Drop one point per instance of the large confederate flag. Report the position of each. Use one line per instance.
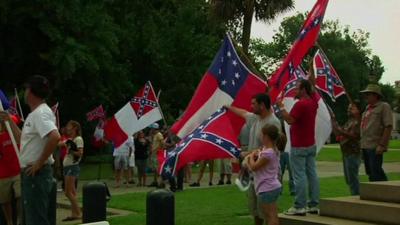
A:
(207, 130)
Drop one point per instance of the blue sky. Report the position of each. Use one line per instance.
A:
(380, 18)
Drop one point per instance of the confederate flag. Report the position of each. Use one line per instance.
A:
(136, 115)
(285, 77)
(306, 39)
(97, 113)
(214, 138)
(327, 80)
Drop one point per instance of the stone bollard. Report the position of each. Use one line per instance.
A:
(160, 208)
(94, 202)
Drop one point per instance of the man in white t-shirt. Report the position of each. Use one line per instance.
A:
(38, 140)
(121, 161)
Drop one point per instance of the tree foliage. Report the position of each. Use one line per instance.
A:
(238, 15)
(102, 51)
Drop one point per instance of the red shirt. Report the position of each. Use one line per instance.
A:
(9, 165)
(63, 149)
(302, 131)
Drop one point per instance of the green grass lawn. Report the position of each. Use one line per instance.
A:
(90, 171)
(332, 154)
(215, 206)
(394, 144)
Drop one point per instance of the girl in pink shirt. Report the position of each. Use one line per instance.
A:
(265, 166)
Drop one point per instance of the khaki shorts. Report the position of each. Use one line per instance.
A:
(154, 161)
(226, 166)
(121, 162)
(254, 206)
(8, 186)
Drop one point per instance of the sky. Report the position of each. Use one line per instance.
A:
(381, 18)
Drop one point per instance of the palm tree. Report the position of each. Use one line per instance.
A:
(243, 11)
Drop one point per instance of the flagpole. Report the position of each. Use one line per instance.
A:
(158, 94)
(19, 104)
(345, 91)
(158, 103)
(13, 141)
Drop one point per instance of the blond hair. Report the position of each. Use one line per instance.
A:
(77, 126)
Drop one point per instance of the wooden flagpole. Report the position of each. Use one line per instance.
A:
(19, 104)
(158, 103)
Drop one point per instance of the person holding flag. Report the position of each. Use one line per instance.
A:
(349, 138)
(303, 149)
(10, 181)
(261, 116)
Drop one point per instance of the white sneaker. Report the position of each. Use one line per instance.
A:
(295, 212)
(312, 210)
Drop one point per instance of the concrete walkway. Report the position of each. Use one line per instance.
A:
(325, 169)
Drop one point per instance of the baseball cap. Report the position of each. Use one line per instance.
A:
(154, 126)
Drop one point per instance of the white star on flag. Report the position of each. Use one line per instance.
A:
(218, 141)
(167, 169)
(234, 63)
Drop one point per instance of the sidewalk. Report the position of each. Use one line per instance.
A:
(324, 169)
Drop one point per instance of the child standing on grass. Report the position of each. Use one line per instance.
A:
(265, 166)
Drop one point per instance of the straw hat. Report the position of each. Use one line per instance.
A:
(373, 88)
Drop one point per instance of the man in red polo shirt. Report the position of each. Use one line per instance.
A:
(303, 148)
(10, 184)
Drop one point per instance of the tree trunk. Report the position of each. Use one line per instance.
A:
(247, 20)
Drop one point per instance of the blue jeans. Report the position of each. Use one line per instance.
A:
(304, 171)
(35, 196)
(351, 163)
(373, 165)
(285, 164)
(269, 197)
(72, 170)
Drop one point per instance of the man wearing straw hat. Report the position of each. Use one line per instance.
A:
(376, 128)
(39, 138)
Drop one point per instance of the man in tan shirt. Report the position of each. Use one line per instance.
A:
(156, 145)
(376, 127)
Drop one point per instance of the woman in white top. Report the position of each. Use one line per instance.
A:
(71, 166)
